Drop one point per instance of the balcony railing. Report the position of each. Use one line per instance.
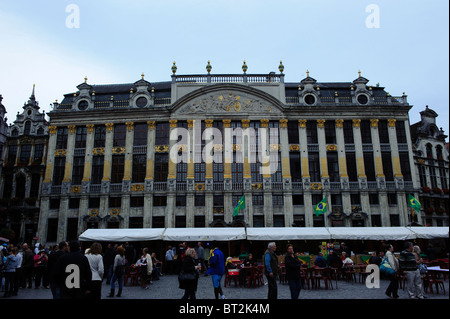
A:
(228, 78)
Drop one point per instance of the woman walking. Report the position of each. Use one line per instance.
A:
(392, 289)
(189, 268)
(145, 267)
(96, 262)
(118, 271)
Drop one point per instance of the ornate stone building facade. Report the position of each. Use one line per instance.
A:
(110, 148)
(24, 158)
(432, 168)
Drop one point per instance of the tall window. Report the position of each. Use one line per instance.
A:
(348, 132)
(383, 132)
(387, 166)
(140, 134)
(139, 168)
(61, 138)
(161, 167)
(58, 171)
(12, 153)
(293, 135)
(423, 175)
(162, 133)
(333, 166)
(237, 171)
(80, 137)
(218, 172)
(369, 166)
(117, 169)
(275, 161)
(182, 172)
(200, 170)
(366, 135)
(99, 136)
(38, 153)
(77, 170)
(405, 167)
(429, 148)
(443, 178)
(97, 169)
(25, 153)
(401, 132)
(351, 167)
(295, 166)
(311, 132)
(330, 132)
(27, 128)
(120, 135)
(314, 166)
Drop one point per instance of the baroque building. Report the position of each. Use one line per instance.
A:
(110, 152)
(431, 157)
(24, 158)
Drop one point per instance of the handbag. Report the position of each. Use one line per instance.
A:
(187, 277)
(386, 268)
(423, 269)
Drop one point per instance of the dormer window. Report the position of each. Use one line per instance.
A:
(27, 128)
(362, 99)
(15, 132)
(141, 102)
(309, 99)
(83, 105)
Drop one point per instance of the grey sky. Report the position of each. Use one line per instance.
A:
(118, 40)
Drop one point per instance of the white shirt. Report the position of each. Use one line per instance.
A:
(97, 268)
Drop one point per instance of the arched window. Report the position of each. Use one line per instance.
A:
(27, 129)
(429, 151)
(439, 152)
(15, 132)
(40, 131)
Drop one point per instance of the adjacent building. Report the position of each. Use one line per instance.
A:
(431, 157)
(110, 148)
(23, 167)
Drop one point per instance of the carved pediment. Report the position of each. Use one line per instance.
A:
(228, 99)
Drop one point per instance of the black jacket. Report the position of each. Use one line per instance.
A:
(62, 272)
(188, 266)
(293, 265)
(52, 259)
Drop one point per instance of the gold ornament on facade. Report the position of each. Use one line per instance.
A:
(93, 212)
(226, 123)
(218, 210)
(137, 187)
(52, 129)
(90, 128)
(339, 123)
(391, 122)
(331, 147)
(374, 122)
(236, 147)
(114, 211)
(190, 123)
(257, 186)
(161, 148)
(316, 186)
(264, 123)
(182, 148)
(356, 122)
(245, 123)
(218, 147)
(118, 150)
(151, 124)
(294, 147)
(274, 147)
(109, 126)
(173, 123)
(302, 123)
(98, 151)
(321, 123)
(130, 126)
(421, 161)
(209, 123)
(71, 128)
(60, 152)
(283, 123)
(75, 189)
(199, 187)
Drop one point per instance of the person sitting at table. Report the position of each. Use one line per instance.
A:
(248, 262)
(320, 261)
(229, 264)
(347, 261)
(333, 260)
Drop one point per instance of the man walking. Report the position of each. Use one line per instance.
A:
(271, 270)
(200, 256)
(216, 270)
(293, 265)
(409, 265)
(63, 248)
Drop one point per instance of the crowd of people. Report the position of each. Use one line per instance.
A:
(22, 267)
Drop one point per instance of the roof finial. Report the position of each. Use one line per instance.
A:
(142, 75)
(32, 92)
(359, 73)
(85, 79)
(307, 73)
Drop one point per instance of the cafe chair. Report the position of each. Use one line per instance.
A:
(259, 276)
(231, 275)
(349, 271)
(430, 280)
(131, 273)
(282, 274)
(401, 279)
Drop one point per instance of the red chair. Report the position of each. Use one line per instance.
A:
(231, 275)
(430, 280)
(349, 272)
(401, 279)
(130, 273)
(282, 273)
(259, 275)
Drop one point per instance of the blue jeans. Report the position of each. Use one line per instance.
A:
(114, 278)
(56, 291)
(295, 285)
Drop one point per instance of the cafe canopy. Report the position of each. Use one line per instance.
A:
(264, 233)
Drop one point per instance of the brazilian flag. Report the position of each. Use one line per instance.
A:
(321, 208)
(414, 203)
(240, 205)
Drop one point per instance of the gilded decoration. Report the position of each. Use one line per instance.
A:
(75, 189)
(118, 150)
(316, 186)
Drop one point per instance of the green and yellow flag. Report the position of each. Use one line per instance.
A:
(240, 205)
(321, 208)
(414, 203)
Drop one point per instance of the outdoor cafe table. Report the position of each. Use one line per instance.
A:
(438, 269)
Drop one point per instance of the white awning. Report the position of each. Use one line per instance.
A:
(122, 234)
(204, 234)
(430, 232)
(287, 233)
(371, 233)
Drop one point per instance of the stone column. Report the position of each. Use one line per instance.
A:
(149, 175)
(69, 158)
(129, 152)
(82, 211)
(51, 154)
(108, 155)
(43, 219)
(305, 172)
(88, 158)
(288, 206)
(398, 176)
(125, 211)
(148, 210)
(346, 200)
(62, 218)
